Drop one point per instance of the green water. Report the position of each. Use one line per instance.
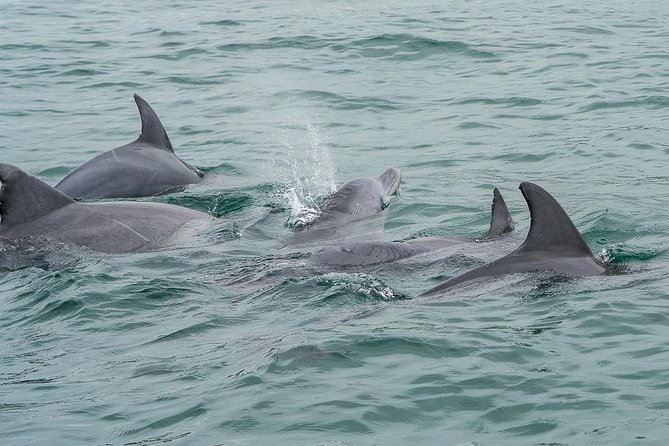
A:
(223, 339)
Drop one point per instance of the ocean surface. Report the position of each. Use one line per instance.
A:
(225, 338)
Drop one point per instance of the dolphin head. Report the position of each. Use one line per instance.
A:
(363, 197)
(390, 181)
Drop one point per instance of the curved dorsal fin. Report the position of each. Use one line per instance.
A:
(500, 220)
(153, 131)
(551, 229)
(24, 198)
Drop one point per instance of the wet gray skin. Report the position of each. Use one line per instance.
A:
(552, 244)
(31, 209)
(371, 253)
(144, 167)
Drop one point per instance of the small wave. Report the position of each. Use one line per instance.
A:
(351, 103)
(88, 43)
(122, 84)
(347, 426)
(56, 310)
(22, 47)
(300, 42)
(191, 330)
(179, 55)
(407, 47)
(514, 101)
(190, 80)
(651, 102)
(80, 72)
(223, 23)
(173, 420)
(523, 157)
(476, 125)
(585, 30)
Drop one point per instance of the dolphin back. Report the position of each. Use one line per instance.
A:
(24, 198)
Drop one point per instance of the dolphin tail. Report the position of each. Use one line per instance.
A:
(153, 131)
(551, 229)
(500, 220)
(24, 198)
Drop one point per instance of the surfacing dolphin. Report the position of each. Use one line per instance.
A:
(348, 206)
(371, 253)
(361, 197)
(147, 166)
(31, 209)
(552, 244)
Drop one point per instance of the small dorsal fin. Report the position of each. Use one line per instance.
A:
(153, 131)
(551, 229)
(500, 220)
(24, 198)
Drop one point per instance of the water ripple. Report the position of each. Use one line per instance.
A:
(407, 47)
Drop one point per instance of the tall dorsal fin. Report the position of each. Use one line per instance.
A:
(153, 131)
(24, 198)
(500, 220)
(551, 228)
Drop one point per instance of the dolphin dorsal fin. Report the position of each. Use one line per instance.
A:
(500, 220)
(153, 131)
(551, 228)
(24, 198)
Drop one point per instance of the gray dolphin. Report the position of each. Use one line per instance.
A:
(371, 253)
(147, 166)
(342, 214)
(552, 244)
(30, 209)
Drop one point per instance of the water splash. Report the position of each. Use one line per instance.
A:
(358, 286)
(303, 170)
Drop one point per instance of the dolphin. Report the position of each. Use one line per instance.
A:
(343, 213)
(147, 166)
(31, 209)
(371, 253)
(552, 244)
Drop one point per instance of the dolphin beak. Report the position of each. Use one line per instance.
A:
(390, 180)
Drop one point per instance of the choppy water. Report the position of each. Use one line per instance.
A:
(222, 339)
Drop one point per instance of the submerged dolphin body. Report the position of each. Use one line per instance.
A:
(371, 253)
(343, 213)
(144, 167)
(31, 209)
(552, 244)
